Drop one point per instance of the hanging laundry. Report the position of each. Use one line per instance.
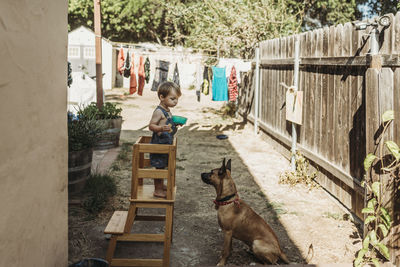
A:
(176, 75)
(127, 69)
(219, 85)
(161, 74)
(132, 82)
(121, 61)
(206, 83)
(233, 85)
(141, 75)
(147, 69)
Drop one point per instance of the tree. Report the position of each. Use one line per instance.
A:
(122, 20)
(380, 7)
(233, 27)
(320, 13)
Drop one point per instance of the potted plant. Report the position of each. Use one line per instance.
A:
(83, 133)
(111, 118)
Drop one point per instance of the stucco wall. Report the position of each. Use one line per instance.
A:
(33, 146)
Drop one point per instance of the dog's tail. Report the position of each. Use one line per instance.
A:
(310, 253)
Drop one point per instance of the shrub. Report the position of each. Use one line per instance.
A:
(108, 111)
(83, 131)
(98, 189)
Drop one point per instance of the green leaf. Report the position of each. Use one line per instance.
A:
(386, 216)
(376, 186)
(372, 203)
(387, 224)
(373, 238)
(384, 229)
(369, 159)
(383, 250)
(367, 210)
(393, 148)
(375, 262)
(366, 242)
(358, 261)
(388, 116)
(369, 219)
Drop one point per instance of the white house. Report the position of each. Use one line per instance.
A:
(82, 53)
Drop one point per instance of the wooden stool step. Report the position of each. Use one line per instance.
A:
(137, 262)
(142, 237)
(117, 223)
(145, 194)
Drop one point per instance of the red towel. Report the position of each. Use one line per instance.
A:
(132, 83)
(121, 61)
(141, 75)
(232, 85)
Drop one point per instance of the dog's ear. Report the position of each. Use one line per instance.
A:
(222, 170)
(228, 165)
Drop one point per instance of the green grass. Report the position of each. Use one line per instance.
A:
(278, 207)
(98, 189)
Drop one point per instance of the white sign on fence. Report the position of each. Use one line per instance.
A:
(294, 105)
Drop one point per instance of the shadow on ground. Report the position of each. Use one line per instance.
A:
(197, 239)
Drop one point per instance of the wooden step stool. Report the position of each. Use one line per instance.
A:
(121, 223)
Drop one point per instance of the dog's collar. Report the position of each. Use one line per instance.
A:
(223, 201)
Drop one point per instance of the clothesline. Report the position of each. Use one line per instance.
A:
(172, 53)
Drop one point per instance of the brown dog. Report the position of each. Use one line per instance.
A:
(238, 220)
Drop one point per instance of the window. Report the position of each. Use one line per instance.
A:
(89, 52)
(74, 51)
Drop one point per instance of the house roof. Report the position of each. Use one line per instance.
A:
(83, 36)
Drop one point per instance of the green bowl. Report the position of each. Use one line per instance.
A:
(179, 120)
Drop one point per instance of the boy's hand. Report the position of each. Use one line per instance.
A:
(166, 128)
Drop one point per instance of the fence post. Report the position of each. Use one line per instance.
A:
(295, 85)
(97, 31)
(257, 90)
(379, 97)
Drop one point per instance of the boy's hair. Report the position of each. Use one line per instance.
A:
(166, 87)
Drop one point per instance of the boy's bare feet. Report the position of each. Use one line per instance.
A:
(159, 188)
(161, 194)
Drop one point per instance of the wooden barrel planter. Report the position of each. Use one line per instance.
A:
(79, 167)
(110, 137)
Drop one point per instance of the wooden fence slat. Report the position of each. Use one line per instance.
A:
(363, 42)
(311, 93)
(318, 93)
(331, 38)
(395, 240)
(386, 96)
(346, 96)
(388, 38)
(267, 88)
(396, 25)
(396, 105)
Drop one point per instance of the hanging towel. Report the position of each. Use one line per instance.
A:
(206, 83)
(219, 85)
(141, 75)
(176, 75)
(127, 69)
(161, 74)
(132, 82)
(147, 69)
(232, 85)
(121, 61)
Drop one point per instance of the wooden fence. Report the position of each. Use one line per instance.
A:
(342, 103)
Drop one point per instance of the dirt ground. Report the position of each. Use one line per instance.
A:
(298, 216)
